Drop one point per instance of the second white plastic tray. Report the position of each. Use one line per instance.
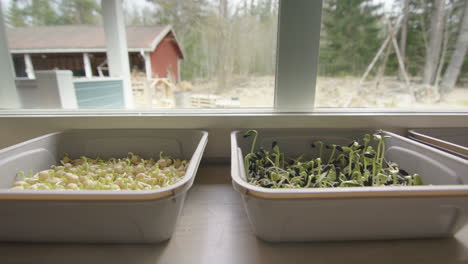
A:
(435, 210)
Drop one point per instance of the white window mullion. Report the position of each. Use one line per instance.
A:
(8, 94)
(116, 46)
(297, 60)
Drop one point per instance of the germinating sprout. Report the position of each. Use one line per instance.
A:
(130, 173)
(353, 165)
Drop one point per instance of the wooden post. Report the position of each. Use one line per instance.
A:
(383, 66)
(374, 60)
(401, 63)
(148, 69)
(87, 66)
(178, 70)
(392, 32)
(29, 67)
(149, 91)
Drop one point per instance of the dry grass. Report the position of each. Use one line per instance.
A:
(339, 92)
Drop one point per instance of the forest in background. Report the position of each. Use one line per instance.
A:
(226, 38)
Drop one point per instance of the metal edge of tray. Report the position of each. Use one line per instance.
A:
(244, 188)
(172, 191)
(452, 148)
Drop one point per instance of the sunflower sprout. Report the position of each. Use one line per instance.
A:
(353, 165)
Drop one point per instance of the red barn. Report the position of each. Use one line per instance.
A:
(82, 49)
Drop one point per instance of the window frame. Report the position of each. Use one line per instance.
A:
(299, 24)
(298, 42)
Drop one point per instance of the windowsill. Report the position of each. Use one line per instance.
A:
(19, 125)
(233, 112)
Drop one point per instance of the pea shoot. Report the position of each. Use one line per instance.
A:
(84, 173)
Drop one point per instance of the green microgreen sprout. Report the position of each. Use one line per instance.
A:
(251, 155)
(252, 133)
(332, 155)
(320, 146)
(353, 165)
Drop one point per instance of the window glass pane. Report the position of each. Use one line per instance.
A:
(181, 54)
(217, 54)
(394, 54)
(55, 46)
(49, 35)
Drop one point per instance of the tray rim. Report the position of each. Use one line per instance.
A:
(427, 191)
(439, 143)
(108, 195)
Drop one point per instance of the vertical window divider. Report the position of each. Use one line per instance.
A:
(8, 95)
(299, 25)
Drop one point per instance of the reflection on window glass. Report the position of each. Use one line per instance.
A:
(393, 54)
(182, 54)
(227, 53)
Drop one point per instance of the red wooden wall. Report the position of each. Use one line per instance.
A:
(164, 59)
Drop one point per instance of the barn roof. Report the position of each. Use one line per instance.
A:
(81, 38)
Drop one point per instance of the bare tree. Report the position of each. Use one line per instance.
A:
(443, 55)
(404, 31)
(435, 42)
(458, 55)
(222, 49)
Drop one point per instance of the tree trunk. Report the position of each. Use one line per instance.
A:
(444, 52)
(404, 33)
(78, 14)
(383, 66)
(222, 56)
(458, 56)
(435, 42)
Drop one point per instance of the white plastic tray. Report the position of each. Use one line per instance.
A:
(278, 215)
(452, 140)
(95, 216)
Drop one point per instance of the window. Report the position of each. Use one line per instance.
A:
(211, 54)
(393, 54)
(51, 35)
(181, 54)
(287, 56)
